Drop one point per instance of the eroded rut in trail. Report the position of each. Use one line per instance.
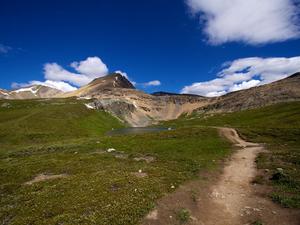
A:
(231, 200)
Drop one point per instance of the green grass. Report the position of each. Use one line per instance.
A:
(63, 137)
(183, 216)
(277, 126)
(42, 121)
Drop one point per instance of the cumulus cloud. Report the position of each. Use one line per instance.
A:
(88, 69)
(91, 67)
(55, 72)
(58, 77)
(244, 85)
(152, 83)
(245, 73)
(4, 49)
(249, 21)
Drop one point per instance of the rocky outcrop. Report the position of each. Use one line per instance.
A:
(141, 109)
(115, 94)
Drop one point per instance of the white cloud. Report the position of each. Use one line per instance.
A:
(250, 21)
(88, 69)
(4, 49)
(152, 83)
(55, 72)
(244, 85)
(58, 77)
(245, 73)
(92, 67)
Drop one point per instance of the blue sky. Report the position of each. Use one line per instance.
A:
(181, 44)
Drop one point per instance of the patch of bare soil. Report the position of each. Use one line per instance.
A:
(44, 177)
(230, 199)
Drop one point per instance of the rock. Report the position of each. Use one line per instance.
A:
(153, 215)
(5, 105)
(147, 159)
(279, 170)
(111, 150)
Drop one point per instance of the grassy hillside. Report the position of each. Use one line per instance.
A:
(63, 137)
(40, 121)
(279, 127)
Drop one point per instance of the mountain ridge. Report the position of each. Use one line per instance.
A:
(116, 94)
(30, 92)
(284, 90)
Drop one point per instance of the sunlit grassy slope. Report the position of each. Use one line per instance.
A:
(64, 137)
(42, 121)
(279, 127)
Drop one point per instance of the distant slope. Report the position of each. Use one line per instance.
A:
(162, 93)
(285, 90)
(277, 116)
(30, 92)
(42, 121)
(3, 93)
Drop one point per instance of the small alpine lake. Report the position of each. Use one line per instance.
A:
(137, 130)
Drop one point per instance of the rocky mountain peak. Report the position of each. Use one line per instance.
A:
(114, 80)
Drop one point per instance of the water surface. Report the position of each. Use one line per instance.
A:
(136, 130)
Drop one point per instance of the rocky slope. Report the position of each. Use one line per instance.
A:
(141, 109)
(31, 92)
(284, 90)
(115, 94)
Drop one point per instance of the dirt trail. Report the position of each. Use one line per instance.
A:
(231, 200)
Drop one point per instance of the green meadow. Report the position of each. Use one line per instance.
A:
(278, 127)
(63, 137)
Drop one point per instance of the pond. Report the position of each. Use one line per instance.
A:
(136, 130)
